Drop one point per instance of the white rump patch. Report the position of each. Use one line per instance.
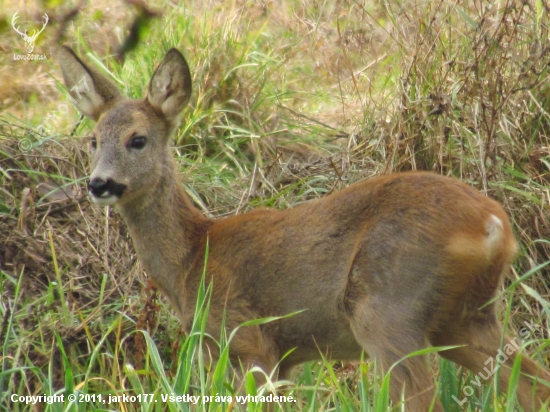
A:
(494, 228)
(467, 245)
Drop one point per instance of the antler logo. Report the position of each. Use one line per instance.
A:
(29, 39)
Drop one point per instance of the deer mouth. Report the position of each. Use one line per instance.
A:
(104, 200)
(105, 191)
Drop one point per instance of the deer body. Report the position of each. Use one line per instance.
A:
(387, 266)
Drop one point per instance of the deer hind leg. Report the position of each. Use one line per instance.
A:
(388, 340)
(483, 355)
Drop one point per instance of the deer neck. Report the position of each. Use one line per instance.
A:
(168, 232)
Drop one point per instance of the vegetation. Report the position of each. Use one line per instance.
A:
(293, 100)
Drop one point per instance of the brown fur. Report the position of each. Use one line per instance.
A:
(388, 265)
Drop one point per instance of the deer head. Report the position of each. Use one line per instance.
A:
(29, 39)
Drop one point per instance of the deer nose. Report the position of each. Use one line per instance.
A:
(98, 186)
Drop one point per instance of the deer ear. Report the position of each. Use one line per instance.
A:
(92, 92)
(170, 87)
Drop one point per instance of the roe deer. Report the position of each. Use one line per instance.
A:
(387, 266)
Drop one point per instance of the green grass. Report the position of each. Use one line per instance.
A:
(292, 100)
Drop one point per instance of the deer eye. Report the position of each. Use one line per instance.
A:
(93, 143)
(137, 142)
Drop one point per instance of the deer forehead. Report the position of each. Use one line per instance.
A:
(126, 120)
